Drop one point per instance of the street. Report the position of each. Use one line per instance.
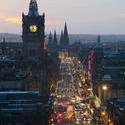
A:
(72, 105)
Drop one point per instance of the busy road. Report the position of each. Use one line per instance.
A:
(72, 105)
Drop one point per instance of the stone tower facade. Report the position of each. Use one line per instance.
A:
(33, 33)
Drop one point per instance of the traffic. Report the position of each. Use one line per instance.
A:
(73, 102)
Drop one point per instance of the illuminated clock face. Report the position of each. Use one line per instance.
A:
(33, 28)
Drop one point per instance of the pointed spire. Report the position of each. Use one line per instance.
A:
(99, 39)
(66, 36)
(50, 41)
(61, 39)
(50, 38)
(50, 35)
(55, 39)
(33, 8)
(65, 29)
(33, 5)
(99, 44)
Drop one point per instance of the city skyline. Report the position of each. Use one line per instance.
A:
(82, 16)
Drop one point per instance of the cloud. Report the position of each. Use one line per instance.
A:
(10, 20)
(2, 17)
(13, 20)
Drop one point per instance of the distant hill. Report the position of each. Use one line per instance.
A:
(83, 38)
(93, 38)
(10, 37)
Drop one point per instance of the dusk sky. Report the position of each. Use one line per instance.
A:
(82, 16)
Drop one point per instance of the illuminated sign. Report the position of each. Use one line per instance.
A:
(90, 57)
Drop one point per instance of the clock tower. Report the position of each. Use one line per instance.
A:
(33, 34)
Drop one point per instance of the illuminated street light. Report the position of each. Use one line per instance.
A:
(109, 120)
(104, 87)
(79, 62)
(90, 89)
(103, 113)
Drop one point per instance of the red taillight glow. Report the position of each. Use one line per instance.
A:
(58, 120)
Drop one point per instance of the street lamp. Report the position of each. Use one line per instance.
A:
(104, 87)
(103, 113)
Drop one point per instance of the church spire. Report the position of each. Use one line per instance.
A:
(66, 36)
(65, 28)
(55, 39)
(33, 8)
(99, 44)
(61, 39)
(99, 39)
(50, 40)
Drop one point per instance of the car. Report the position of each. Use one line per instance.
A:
(78, 119)
(87, 118)
(77, 122)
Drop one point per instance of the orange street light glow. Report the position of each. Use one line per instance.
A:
(103, 113)
(104, 87)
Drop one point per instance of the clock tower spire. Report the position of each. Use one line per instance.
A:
(33, 33)
(33, 8)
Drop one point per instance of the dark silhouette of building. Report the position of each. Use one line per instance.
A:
(99, 39)
(52, 42)
(61, 40)
(10, 48)
(64, 39)
(36, 59)
(4, 47)
(49, 46)
(96, 63)
(36, 72)
(66, 36)
(34, 52)
(55, 42)
(33, 34)
(116, 111)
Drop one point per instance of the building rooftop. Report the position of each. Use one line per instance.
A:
(117, 102)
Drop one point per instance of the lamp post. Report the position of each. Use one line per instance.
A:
(103, 113)
(104, 88)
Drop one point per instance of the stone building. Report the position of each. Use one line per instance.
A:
(111, 75)
(33, 34)
(36, 60)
